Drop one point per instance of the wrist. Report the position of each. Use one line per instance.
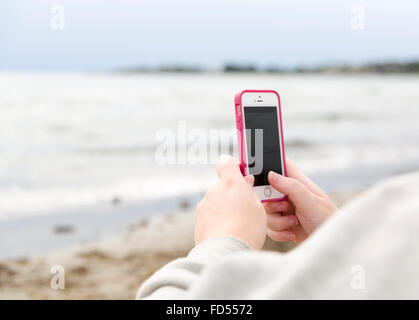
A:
(217, 248)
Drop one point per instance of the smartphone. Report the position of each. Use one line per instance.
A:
(260, 139)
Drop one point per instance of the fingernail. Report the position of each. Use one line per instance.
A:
(249, 180)
(290, 236)
(224, 158)
(292, 222)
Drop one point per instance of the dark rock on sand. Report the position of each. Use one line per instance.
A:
(65, 228)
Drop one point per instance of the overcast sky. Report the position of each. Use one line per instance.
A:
(107, 34)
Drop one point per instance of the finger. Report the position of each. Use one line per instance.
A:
(294, 172)
(227, 168)
(276, 222)
(299, 194)
(281, 235)
(277, 206)
(250, 180)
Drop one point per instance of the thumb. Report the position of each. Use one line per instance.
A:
(250, 180)
(298, 192)
(227, 168)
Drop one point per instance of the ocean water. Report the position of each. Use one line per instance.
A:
(74, 140)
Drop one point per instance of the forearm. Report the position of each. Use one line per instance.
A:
(174, 279)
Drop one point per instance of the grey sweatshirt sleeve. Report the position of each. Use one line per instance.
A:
(175, 279)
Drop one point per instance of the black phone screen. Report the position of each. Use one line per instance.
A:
(262, 142)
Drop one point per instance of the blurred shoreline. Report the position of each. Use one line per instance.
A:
(73, 226)
(390, 67)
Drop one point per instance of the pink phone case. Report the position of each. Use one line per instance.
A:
(240, 134)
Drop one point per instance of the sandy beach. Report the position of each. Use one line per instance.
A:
(113, 267)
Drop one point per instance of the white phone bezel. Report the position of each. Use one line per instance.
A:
(262, 99)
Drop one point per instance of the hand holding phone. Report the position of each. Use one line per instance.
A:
(231, 208)
(306, 208)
